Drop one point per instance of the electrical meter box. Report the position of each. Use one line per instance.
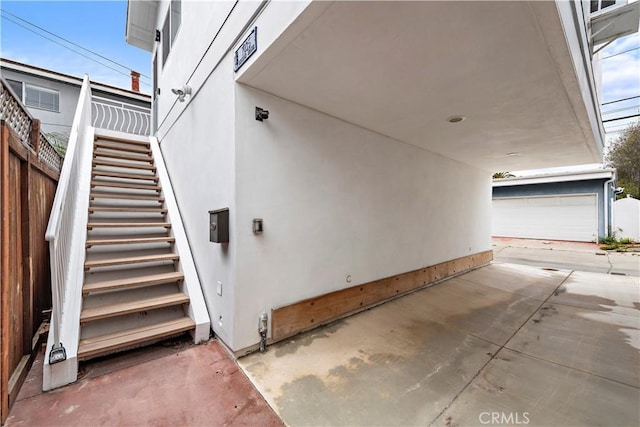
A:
(219, 226)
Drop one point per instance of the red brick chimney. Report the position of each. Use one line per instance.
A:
(135, 81)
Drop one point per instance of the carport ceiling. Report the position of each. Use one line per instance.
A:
(402, 69)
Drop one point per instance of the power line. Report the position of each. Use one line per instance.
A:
(69, 41)
(620, 53)
(617, 110)
(621, 118)
(620, 100)
(67, 47)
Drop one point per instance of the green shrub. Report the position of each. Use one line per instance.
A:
(607, 240)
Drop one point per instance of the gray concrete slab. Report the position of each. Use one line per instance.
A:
(618, 294)
(430, 356)
(528, 281)
(558, 259)
(577, 256)
(627, 263)
(483, 311)
(385, 366)
(601, 343)
(518, 389)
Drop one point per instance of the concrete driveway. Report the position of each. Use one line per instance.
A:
(504, 344)
(566, 255)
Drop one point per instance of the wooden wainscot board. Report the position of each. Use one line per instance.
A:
(309, 313)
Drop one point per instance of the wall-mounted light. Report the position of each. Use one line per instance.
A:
(182, 92)
(261, 114)
(157, 35)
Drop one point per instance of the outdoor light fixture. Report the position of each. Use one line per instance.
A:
(455, 119)
(182, 92)
(261, 114)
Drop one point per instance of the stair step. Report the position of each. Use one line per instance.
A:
(134, 149)
(147, 159)
(129, 282)
(130, 260)
(110, 174)
(103, 344)
(125, 196)
(112, 310)
(126, 209)
(93, 225)
(127, 241)
(100, 162)
(125, 185)
(121, 140)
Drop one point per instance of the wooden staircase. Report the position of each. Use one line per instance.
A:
(132, 292)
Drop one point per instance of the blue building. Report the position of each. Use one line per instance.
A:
(574, 206)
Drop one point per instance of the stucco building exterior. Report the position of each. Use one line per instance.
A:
(385, 122)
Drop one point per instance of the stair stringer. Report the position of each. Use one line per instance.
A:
(66, 372)
(197, 309)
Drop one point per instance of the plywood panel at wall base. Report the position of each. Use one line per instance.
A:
(303, 315)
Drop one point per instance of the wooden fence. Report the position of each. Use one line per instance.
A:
(29, 171)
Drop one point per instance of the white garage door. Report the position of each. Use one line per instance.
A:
(564, 217)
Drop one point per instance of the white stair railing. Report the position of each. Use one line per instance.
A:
(65, 235)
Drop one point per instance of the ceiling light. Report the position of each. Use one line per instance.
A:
(514, 154)
(455, 119)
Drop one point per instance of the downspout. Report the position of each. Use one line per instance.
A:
(606, 197)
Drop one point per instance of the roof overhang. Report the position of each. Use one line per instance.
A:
(603, 174)
(402, 69)
(614, 23)
(141, 23)
(71, 80)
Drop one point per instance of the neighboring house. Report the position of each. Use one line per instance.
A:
(575, 206)
(385, 120)
(51, 97)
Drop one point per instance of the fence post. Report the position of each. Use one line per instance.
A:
(34, 138)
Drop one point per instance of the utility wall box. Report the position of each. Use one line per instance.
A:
(219, 226)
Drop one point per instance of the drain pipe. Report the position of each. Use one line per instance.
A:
(607, 199)
(262, 329)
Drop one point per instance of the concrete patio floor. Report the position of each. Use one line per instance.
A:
(504, 344)
(183, 385)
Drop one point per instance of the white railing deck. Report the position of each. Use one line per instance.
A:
(120, 116)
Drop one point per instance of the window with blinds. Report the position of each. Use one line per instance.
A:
(42, 98)
(17, 87)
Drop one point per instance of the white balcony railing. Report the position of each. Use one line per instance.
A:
(120, 116)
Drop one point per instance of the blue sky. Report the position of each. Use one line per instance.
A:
(621, 79)
(95, 25)
(100, 26)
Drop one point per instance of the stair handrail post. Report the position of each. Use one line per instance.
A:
(59, 228)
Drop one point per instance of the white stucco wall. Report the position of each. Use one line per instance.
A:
(338, 200)
(197, 136)
(626, 218)
(199, 153)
